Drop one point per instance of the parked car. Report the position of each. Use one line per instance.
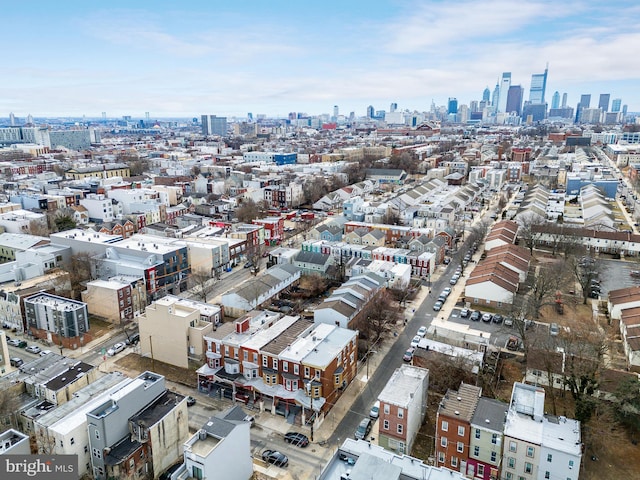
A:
(408, 355)
(33, 349)
(497, 318)
(44, 353)
(16, 361)
(166, 475)
(513, 343)
(437, 306)
(14, 342)
(447, 291)
(464, 313)
(363, 429)
(375, 410)
(454, 279)
(554, 329)
(422, 331)
(191, 401)
(508, 321)
(133, 339)
(297, 439)
(117, 348)
(248, 265)
(275, 457)
(475, 316)
(487, 317)
(416, 340)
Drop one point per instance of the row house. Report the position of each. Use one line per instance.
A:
(117, 300)
(597, 241)
(273, 229)
(124, 228)
(392, 232)
(402, 408)
(288, 367)
(252, 234)
(282, 196)
(174, 212)
(364, 236)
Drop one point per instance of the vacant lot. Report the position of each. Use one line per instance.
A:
(134, 363)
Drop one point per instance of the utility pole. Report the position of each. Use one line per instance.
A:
(310, 391)
(153, 362)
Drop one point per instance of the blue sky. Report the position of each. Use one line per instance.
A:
(228, 58)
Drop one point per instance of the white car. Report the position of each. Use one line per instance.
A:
(416, 341)
(375, 410)
(422, 331)
(117, 348)
(44, 353)
(33, 349)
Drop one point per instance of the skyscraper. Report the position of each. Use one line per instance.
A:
(336, 111)
(505, 83)
(538, 87)
(616, 104)
(473, 106)
(603, 103)
(486, 95)
(12, 119)
(514, 99)
(393, 107)
(453, 105)
(564, 100)
(212, 125)
(370, 111)
(585, 102)
(555, 100)
(495, 97)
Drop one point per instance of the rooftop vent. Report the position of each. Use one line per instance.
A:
(457, 412)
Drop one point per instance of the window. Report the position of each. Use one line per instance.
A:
(86, 449)
(306, 372)
(399, 428)
(547, 474)
(531, 452)
(443, 442)
(460, 431)
(513, 446)
(570, 463)
(528, 467)
(72, 441)
(386, 425)
(476, 451)
(494, 456)
(480, 470)
(477, 433)
(509, 476)
(441, 457)
(97, 453)
(226, 351)
(97, 434)
(386, 409)
(454, 461)
(61, 444)
(400, 413)
(511, 462)
(275, 364)
(265, 361)
(285, 366)
(460, 447)
(549, 457)
(494, 438)
(245, 355)
(255, 357)
(445, 426)
(296, 369)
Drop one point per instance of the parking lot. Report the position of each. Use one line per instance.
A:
(499, 331)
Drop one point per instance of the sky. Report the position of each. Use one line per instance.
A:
(184, 59)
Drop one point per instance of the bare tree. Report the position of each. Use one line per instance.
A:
(201, 284)
(79, 267)
(391, 217)
(379, 317)
(8, 406)
(547, 280)
(527, 230)
(585, 270)
(247, 211)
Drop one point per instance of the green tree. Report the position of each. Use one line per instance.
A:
(64, 222)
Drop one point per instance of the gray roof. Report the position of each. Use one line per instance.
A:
(313, 257)
(218, 427)
(490, 414)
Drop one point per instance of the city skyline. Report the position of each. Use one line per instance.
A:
(77, 58)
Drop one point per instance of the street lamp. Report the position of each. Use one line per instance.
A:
(310, 392)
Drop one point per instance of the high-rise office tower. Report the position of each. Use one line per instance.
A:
(514, 99)
(463, 114)
(104, 116)
(250, 116)
(555, 100)
(212, 125)
(30, 119)
(486, 95)
(603, 102)
(505, 83)
(538, 87)
(452, 106)
(146, 117)
(564, 100)
(495, 97)
(12, 119)
(624, 109)
(473, 106)
(616, 104)
(393, 107)
(370, 111)
(336, 111)
(585, 102)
